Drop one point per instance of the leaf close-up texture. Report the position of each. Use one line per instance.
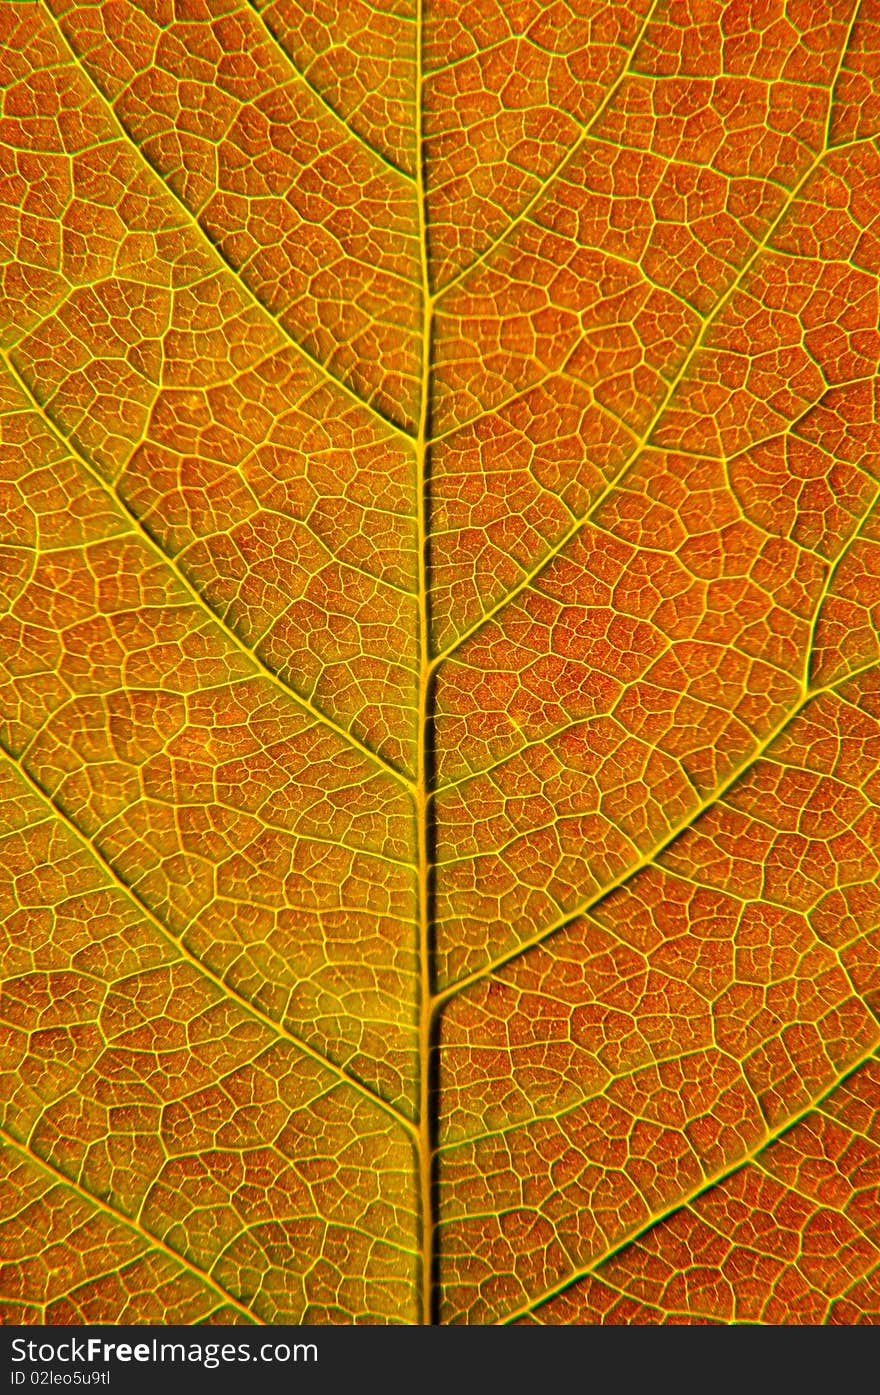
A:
(440, 678)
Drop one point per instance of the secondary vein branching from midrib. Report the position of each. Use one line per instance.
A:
(427, 1101)
(643, 440)
(589, 903)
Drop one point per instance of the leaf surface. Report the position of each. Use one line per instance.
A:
(440, 662)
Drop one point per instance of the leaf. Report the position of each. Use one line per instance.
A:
(440, 678)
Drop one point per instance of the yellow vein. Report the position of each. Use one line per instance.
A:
(277, 1028)
(153, 1241)
(468, 980)
(193, 222)
(690, 1197)
(837, 951)
(600, 1091)
(859, 1279)
(424, 774)
(169, 561)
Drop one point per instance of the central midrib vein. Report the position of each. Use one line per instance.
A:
(424, 764)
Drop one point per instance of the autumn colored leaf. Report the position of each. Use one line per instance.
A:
(441, 661)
